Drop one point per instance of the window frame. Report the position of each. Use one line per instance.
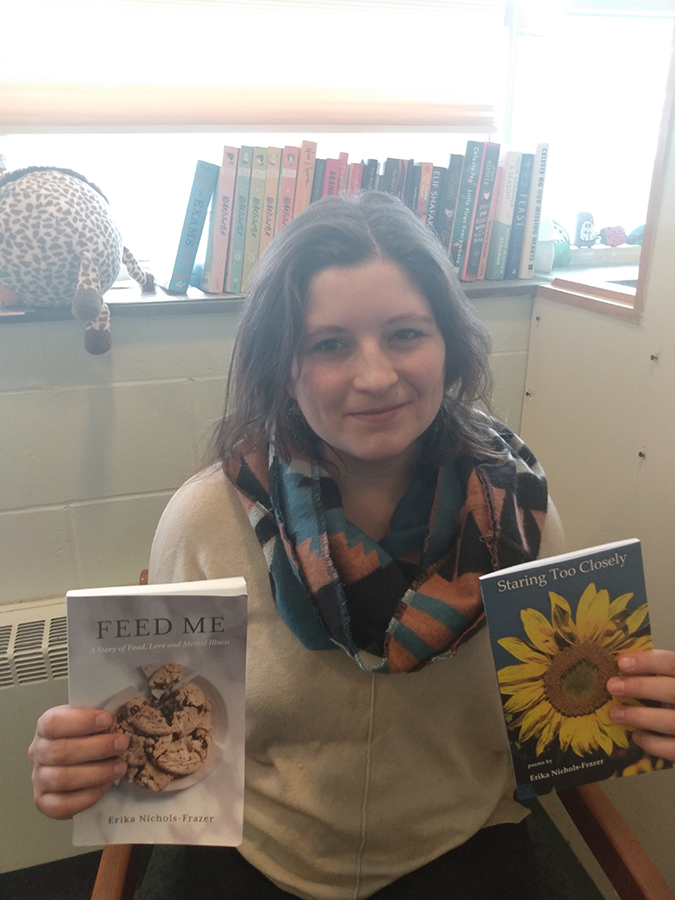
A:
(615, 300)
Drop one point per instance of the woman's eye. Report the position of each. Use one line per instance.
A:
(406, 334)
(328, 345)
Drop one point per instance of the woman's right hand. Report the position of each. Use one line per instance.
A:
(75, 759)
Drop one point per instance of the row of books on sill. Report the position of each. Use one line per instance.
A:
(485, 208)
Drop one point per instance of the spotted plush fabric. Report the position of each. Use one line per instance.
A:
(59, 246)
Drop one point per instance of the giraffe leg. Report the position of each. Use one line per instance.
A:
(97, 337)
(87, 299)
(145, 279)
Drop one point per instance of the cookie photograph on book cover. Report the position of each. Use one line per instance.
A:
(557, 627)
(177, 727)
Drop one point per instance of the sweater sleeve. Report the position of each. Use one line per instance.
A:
(203, 533)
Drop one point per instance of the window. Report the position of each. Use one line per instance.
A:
(584, 75)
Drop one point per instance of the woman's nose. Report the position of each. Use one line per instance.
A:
(373, 370)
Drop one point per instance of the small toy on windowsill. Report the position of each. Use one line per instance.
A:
(613, 236)
(585, 234)
(59, 246)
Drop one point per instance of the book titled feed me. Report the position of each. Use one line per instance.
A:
(168, 663)
(557, 627)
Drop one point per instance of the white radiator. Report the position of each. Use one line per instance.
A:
(33, 677)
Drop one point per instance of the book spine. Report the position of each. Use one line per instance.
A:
(501, 227)
(481, 210)
(436, 192)
(446, 213)
(270, 199)
(533, 216)
(254, 216)
(393, 177)
(369, 180)
(426, 172)
(317, 181)
(466, 199)
(415, 186)
(518, 226)
(331, 178)
(213, 278)
(203, 186)
(409, 186)
(235, 261)
(287, 182)
(354, 179)
(482, 266)
(344, 167)
(303, 188)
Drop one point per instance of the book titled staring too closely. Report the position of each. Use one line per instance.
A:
(557, 627)
(168, 662)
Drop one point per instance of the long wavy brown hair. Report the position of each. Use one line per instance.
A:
(345, 232)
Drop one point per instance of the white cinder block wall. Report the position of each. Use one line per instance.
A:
(92, 447)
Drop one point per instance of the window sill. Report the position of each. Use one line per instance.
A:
(587, 287)
(610, 291)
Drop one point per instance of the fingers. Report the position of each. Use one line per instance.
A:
(647, 675)
(656, 744)
(65, 806)
(648, 662)
(75, 761)
(64, 722)
(66, 736)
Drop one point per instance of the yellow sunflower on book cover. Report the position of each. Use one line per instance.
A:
(558, 690)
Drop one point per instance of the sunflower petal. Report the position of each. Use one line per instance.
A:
(617, 606)
(592, 614)
(561, 616)
(636, 619)
(539, 630)
(534, 719)
(520, 650)
(528, 695)
(522, 672)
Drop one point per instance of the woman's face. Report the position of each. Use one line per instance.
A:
(371, 373)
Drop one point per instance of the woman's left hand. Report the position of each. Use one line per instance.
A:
(647, 675)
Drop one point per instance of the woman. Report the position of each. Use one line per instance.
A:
(361, 492)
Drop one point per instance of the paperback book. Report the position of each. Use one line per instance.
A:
(213, 276)
(533, 215)
(168, 662)
(177, 276)
(557, 626)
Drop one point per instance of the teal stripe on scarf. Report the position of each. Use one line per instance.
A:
(410, 641)
(446, 615)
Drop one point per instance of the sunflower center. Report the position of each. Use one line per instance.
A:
(575, 682)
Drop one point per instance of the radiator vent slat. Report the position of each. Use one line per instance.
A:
(58, 662)
(31, 667)
(57, 631)
(33, 646)
(29, 635)
(6, 677)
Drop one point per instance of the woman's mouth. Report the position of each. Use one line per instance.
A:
(381, 414)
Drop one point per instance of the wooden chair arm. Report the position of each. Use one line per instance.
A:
(117, 872)
(618, 852)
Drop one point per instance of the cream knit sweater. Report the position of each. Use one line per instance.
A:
(352, 779)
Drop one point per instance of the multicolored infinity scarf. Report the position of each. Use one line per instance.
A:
(413, 596)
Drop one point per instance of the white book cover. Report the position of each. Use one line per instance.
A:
(533, 215)
(168, 662)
